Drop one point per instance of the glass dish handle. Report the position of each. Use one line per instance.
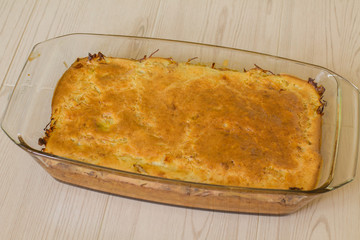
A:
(348, 134)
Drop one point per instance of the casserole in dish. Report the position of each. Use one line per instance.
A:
(29, 111)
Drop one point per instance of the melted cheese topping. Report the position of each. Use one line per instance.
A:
(188, 122)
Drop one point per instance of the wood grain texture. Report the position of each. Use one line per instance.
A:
(167, 222)
(13, 21)
(35, 206)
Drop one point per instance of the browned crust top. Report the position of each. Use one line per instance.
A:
(190, 122)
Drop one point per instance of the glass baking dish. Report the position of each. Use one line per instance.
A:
(29, 110)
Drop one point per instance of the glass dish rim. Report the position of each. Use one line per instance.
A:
(22, 144)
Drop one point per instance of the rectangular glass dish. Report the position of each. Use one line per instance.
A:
(29, 111)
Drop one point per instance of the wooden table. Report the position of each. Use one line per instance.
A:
(35, 206)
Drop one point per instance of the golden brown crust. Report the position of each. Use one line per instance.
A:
(188, 122)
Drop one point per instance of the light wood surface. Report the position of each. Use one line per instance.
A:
(35, 206)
